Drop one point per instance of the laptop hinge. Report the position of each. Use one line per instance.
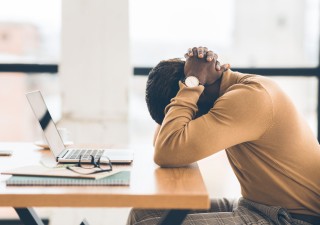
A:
(62, 154)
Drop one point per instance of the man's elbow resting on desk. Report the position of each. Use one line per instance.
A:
(167, 162)
(166, 156)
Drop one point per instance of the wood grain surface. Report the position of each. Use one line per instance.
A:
(150, 185)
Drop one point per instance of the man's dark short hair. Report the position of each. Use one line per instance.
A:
(162, 86)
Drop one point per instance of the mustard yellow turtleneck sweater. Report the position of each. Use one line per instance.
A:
(270, 147)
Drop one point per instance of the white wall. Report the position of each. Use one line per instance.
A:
(95, 68)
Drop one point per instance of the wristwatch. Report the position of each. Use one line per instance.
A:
(192, 81)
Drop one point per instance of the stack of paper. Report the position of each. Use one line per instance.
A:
(36, 175)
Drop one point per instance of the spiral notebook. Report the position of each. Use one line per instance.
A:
(121, 178)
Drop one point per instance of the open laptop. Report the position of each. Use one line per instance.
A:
(56, 145)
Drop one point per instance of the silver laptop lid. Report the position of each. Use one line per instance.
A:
(42, 114)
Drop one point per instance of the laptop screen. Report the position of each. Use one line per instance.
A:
(48, 126)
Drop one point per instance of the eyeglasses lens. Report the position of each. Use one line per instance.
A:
(87, 162)
(104, 163)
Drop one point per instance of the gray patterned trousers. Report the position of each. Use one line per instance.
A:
(223, 212)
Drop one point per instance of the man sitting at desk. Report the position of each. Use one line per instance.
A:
(202, 108)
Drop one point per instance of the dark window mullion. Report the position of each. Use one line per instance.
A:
(29, 68)
(261, 71)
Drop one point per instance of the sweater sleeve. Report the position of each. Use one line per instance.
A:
(242, 114)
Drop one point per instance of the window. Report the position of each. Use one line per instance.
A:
(29, 34)
(30, 31)
(262, 35)
(245, 33)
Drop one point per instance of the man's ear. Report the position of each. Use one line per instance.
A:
(156, 133)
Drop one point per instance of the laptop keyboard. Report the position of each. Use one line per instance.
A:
(85, 153)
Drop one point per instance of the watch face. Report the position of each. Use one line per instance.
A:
(192, 81)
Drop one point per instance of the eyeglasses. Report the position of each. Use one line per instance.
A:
(99, 165)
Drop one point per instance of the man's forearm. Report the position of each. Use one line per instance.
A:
(172, 144)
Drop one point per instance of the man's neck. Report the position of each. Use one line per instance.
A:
(208, 97)
(213, 90)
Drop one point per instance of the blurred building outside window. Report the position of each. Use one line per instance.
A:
(30, 31)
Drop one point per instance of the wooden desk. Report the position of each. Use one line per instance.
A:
(150, 186)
